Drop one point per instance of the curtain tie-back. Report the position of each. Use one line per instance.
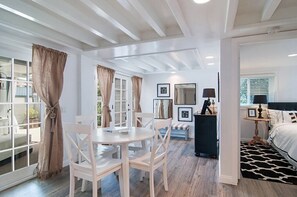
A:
(106, 107)
(52, 114)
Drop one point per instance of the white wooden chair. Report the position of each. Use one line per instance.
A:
(101, 150)
(145, 120)
(89, 169)
(157, 156)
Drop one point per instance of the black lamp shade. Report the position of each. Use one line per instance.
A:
(260, 99)
(209, 92)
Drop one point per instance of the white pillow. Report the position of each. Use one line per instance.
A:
(275, 116)
(289, 116)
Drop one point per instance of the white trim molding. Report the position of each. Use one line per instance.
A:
(228, 180)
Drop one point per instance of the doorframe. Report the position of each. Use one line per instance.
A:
(229, 163)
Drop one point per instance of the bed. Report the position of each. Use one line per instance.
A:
(283, 129)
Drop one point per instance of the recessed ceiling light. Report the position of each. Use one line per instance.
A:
(173, 72)
(201, 1)
(292, 55)
(209, 57)
(210, 64)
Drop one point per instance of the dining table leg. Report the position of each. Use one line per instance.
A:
(126, 176)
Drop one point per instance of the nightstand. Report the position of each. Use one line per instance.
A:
(256, 138)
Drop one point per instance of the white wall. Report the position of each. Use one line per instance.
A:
(88, 86)
(285, 91)
(70, 94)
(229, 124)
(205, 78)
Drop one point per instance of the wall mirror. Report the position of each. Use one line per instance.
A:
(163, 108)
(185, 94)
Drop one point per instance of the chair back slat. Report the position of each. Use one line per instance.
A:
(73, 145)
(145, 120)
(86, 119)
(160, 143)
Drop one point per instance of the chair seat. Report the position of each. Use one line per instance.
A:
(142, 159)
(102, 164)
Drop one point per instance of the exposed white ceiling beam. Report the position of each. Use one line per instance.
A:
(43, 18)
(231, 14)
(127, 66)
(269, 9)
(152, 62)
(140, 64)
(177, 58)
(12, 21)
(11, 40)
(198, 58)
(168, 61)
(149, 15)
(104, 10)
(179, 17)
(67, 11)
(244, 29)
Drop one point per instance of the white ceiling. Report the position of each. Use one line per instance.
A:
(144, 36)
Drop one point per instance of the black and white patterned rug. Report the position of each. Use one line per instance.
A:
(264, 163)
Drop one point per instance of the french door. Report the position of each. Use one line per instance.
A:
(121, 104)
(20, 112)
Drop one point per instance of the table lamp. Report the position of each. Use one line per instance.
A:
(207, 93)
(260, 99)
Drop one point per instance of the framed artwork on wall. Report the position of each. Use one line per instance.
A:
(252, 112)
(163, 90)
(185, 114)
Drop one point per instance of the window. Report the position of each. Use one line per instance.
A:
(255, 85)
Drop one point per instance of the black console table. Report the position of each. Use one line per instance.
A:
(206, 143)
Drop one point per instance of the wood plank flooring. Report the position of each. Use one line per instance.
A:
(188, 176)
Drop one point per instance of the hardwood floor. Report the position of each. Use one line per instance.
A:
(188, 176)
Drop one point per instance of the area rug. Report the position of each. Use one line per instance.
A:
(264, 163)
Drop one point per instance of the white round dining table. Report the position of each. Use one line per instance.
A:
(122, 137)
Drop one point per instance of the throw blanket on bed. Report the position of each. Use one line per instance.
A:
(284, 137)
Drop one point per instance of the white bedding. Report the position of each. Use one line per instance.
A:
(283, 136)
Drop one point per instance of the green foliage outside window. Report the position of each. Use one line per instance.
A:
(254, 86)
(99, 106)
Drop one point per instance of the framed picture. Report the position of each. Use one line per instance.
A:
(252, 112)
(163, 90)
(185, 114)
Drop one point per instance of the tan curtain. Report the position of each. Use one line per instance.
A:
(105, 79)
(136, 85)
(47, 72)
(161, 110)
(170, 114)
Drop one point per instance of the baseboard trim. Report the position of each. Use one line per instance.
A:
(14, 178)
(228, 180)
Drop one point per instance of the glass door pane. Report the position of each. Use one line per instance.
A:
(120, 109)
